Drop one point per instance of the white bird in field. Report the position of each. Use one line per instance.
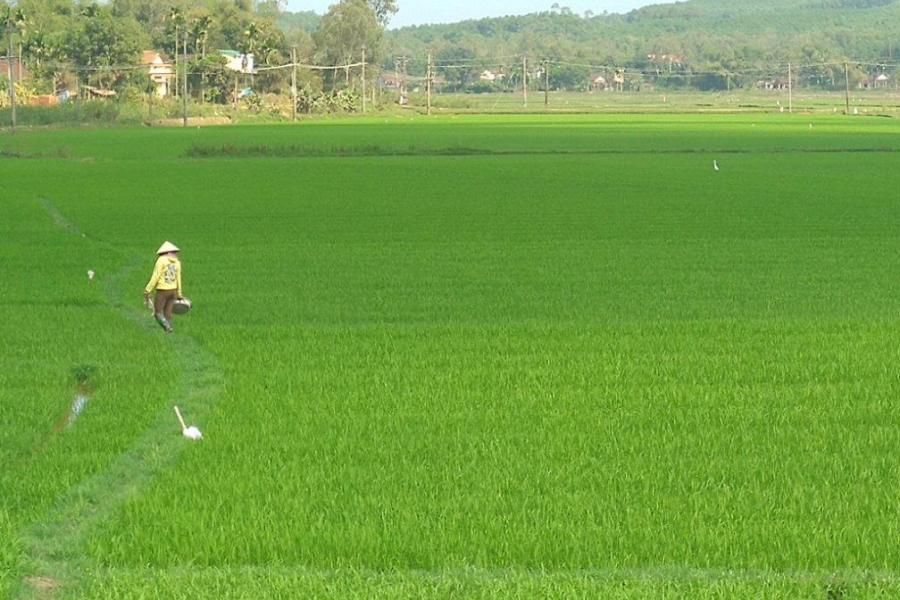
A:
(91, 274)
(715, 165)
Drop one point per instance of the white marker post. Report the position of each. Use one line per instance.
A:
(191, 432)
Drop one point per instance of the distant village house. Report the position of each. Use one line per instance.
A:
(389, 81)
(490, 75)
(162, 73)
(672, 59)
(599, 83)
(779, 83)
(235, 61)
(881, 80)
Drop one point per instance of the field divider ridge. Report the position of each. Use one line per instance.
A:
(369, 151)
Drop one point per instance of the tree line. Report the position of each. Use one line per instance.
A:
(64, 44)
(700, 44)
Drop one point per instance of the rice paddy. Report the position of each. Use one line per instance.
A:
(518, 356)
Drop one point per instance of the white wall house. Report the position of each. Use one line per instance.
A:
(242, 63)
(161, 73)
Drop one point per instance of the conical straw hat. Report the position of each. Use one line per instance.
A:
(167, 247)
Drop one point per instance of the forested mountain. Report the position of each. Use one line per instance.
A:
(697, 36)
(307, 21)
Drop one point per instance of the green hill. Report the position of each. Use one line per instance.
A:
(734, 36)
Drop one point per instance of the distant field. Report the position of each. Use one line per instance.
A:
(882, 101)
(276, 108)
(521, 356)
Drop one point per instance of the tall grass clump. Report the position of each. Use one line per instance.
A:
(10, 554)
(91, 112)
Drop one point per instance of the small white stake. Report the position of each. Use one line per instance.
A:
(189, 432)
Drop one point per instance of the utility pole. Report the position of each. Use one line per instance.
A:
(525, 80)
(293, 83)
(790, 88)
(397, 75)
(234, 97)
(847, 86)
(546, 84)
(400, 64)
(184, 94)
(405, 76)
(150, 102)
(364, 80)
(429, 78)
(176, 60)
(9, 70)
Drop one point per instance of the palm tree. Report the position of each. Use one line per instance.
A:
(200, 33)
(251, 35)
(22, 26)
(37, 48)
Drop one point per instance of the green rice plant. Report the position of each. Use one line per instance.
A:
(575, 362)
(10, 554)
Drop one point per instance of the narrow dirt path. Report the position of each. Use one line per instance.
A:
(52, 559)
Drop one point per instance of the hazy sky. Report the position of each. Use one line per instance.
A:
(417, 12)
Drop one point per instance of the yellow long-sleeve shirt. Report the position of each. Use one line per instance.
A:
(166, 275)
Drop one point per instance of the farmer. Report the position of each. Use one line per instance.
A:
(166, 280)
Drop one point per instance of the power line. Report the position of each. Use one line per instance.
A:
(310, 67)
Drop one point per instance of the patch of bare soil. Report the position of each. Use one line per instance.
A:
(44, 587)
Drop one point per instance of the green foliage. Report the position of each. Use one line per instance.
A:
(307, 21)
(212, 79)
(93, 112)
(569, 77)
(383, 9)
(97, 39)
(349, 27)
(10, 554)
(706, 36)
(462, 69)
(335, 101)
(64, 34)
(84, 373)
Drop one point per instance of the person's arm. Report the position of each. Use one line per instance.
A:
(179, 280)
(154, 279)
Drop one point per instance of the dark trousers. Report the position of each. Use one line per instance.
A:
(165, 302)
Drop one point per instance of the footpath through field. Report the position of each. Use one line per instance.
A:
(53, 557)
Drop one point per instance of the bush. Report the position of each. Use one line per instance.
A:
(91, 111)
(335, 101)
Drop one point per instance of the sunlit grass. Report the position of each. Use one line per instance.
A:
(614, 373)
